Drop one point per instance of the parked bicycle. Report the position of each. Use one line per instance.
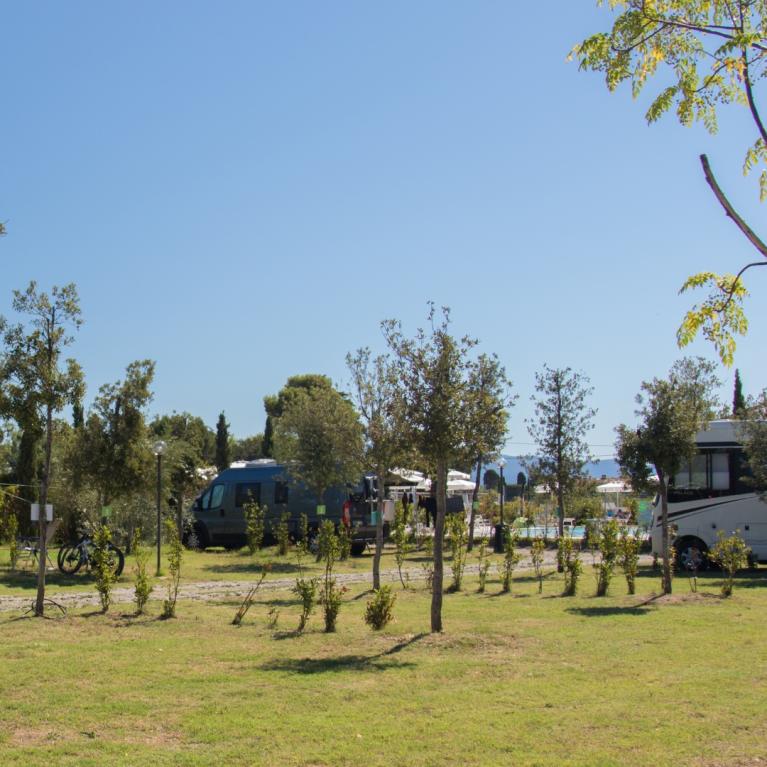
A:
(73, 556)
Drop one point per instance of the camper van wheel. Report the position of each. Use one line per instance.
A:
(358, 548)
(691, 554)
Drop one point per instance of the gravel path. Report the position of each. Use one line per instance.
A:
(208, 591)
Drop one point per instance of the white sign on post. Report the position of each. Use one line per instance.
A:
(35, 512)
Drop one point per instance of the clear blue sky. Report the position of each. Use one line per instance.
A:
(243, 190)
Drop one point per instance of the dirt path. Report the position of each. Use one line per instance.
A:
(208, 591)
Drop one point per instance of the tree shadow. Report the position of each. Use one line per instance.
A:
(252, 567)
(382, 661)
(603, 611)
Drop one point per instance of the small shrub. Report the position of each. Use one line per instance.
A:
(731, 554)
(306, 591)
(250, 597)
(456, 530)
(571, 564)
(483, 561)
(175, 555)
(282, 534)
(103, 565)
(344, 542)
(402, 545)
(537, 550)
(379, 609)
(272, 617)
(628, 557)
(428, 565)
(12, 533)
(510, 557)
(254, 525)
(142, 585)
(607, 548)
(330, 597)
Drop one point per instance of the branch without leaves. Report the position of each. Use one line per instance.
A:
(729, 210)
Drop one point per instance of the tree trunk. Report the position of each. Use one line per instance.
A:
(439, 531)
(379, 530)
(43, 524)
(560, 520)
(666, 543)
(474, 502)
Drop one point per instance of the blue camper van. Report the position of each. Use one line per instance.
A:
(219, 518)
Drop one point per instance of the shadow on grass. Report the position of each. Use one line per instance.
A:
(382, 661)
(252, 567)
(604, 612)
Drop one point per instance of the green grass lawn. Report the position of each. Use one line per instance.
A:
(517, 679)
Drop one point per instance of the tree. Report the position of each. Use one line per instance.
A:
(491, 479)
(223, 457)
(319, 436)
(376, 391)
(754, 435)
(275, 404)
(562, 420)
(715, 52)
(489, 400)
(738, 400)
(434, 370)
(35, 385)
(248, 448)
(114, 449)
(671, 412)
(190, 447)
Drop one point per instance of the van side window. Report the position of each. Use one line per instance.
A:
(245, 492)
(280, 492)
(212, 497)
(216, 496)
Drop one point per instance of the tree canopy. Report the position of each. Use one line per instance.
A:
(714, 53)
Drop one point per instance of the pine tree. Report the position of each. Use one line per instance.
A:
(222, 443)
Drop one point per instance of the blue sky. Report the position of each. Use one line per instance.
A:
(242, 191)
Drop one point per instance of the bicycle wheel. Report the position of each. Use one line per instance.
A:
(70, 559)
(118, 559)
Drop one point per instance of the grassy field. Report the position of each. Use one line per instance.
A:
(517, 679)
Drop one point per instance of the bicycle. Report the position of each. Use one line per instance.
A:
(74, 555)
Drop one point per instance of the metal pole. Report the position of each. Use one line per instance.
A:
(503, 492)
(159, 496)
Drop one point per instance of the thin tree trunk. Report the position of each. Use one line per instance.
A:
(379, 530)
(439, 530)
(665, 534)
(474, 502)
(560, 520)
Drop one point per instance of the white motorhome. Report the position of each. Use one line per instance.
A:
(712, 493)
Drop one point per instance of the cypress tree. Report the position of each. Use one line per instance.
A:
(222, 443)
(738, 401)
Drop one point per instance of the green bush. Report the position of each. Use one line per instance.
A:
(570, 561)
(483, 562)
(731, 554)
(380, 609)
(282, 534)
(175, 555)
(537, 550)
(607, 548)
(306, 591)
(456, 530)
(103, 565)
(142, 585)
(628, 557)
(510, 557)
(254, 525)
(329, 552)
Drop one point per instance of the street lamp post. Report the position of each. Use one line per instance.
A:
(159, 449)
(500, 537)
(501, 464)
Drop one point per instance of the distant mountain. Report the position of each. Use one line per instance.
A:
(597, 469)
